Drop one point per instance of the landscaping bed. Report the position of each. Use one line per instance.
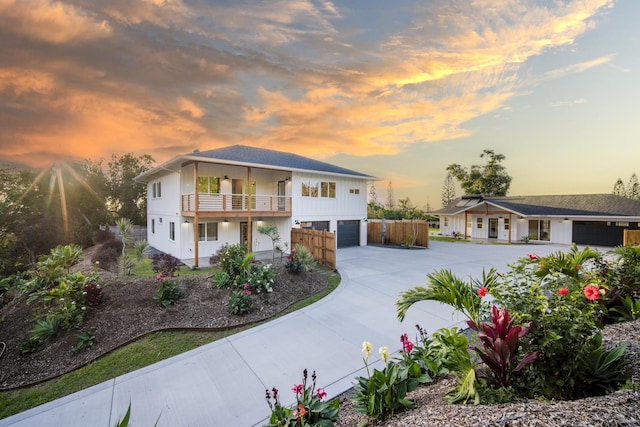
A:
(130, 311)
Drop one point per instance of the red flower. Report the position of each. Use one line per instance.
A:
(321, 393)
(406, 344)
(297, 388)
(300, 412)
(578, 268)
(533, 257)
(482, 292)
(591, 292)
(563, 291)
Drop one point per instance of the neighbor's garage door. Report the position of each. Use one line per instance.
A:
(600, 233)
(348, 233)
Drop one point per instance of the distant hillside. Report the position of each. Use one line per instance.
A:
(10, 165)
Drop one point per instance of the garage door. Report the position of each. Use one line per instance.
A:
(600, 233)
(348, 233)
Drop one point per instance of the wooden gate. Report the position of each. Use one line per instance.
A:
(321, 243)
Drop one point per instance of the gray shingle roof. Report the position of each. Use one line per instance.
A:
(262, 156)
(557, 205)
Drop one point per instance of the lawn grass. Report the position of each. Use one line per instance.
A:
(146, 351)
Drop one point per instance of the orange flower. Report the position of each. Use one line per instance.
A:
(300, 412)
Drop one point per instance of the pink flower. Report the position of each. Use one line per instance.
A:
(482, 292)
(246, 289)
(591, 292)
(321, 393)
(578, 268)
(406, 344)
(159, 277)
(563, 291)
(533, 257)
(300, 412)
(297, 388)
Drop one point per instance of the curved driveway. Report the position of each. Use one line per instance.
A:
(223, 383)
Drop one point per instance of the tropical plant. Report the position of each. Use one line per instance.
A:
(169, 291)
(271, 231)
(601, 371)
(221, 279)
(44, 328)
(140, 249)
(382, 393)
(241, 301)
(85, 340)
(125, 228)
(309, 409)
(627, 311)
(165, 264)
(234, 260)
(300, 260)
(261, 277)
(570, 263)
(443, 286)
(501, 344)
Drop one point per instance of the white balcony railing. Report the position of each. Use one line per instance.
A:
(235, 203)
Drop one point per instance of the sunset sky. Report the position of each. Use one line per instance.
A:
(395, 89)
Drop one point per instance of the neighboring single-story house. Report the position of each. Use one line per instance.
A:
(199, 201)
(589, 219)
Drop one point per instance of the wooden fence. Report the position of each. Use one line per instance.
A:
(631, 238)
(321, 243)
(406, 232)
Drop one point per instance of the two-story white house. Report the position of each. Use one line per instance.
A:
(199, 201)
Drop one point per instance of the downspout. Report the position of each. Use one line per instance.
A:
(510, 227)
(196, 199)
(249, 223)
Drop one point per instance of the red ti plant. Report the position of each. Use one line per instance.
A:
(500, 343)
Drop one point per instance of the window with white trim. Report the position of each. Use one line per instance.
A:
(156, 190)
(208, 185)
(153, 226)
(479, 223)
(207, 231)
(506, 223)
(354, 191)
(328, 189)
(309, 189)
(172, 230)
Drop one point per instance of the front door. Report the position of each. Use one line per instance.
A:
(244, 233)
(493, 228)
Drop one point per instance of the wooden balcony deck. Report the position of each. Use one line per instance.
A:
(235, 205)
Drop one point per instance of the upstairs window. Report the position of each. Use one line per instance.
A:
(328, 189)
(354, 191)
(309, 189)
(208, 185)
(157, 190)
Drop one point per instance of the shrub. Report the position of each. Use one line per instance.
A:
(101, 236)
(300, 260)
(221, 280)
(165, 264)
(261, 277)
(105, 256)
(241, 301)
(44, 328)
(93, 294)
(382, 394)
(234, 260)
(169, 291)
(309, 409)
(85, 340)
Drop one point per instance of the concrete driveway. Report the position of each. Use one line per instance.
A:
(223, 383)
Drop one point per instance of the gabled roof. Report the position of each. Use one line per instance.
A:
(242, 155)
(576, 205)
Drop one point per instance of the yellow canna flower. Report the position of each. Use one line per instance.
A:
(384, 353)
(366, 349)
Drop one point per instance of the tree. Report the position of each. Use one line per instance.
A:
(489, 180)
(373, 194)
(448, 190)
(618, 188)
(390, 203)
(633, 188)
(408, 211)
(125, 198)
(272, 232)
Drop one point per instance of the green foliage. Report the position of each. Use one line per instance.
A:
(271, 230)
(300, 260)
(140, 249)
(85, 340)
(51, 269)
(261, 277)
(169, 291)
(569, 264)
(489, 180)
(383, 393)
(44, 328)
(221, 280)
(233, 260)
(241, 301)
(601, 371)
(628, 310)
(309, 409)
(124, 422)
(443, 286)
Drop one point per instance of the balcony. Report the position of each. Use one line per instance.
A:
(235, 205)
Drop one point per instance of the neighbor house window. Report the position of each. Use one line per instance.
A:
(354, 191)
(172, 231)
(328, 189)
(208, 184)
(479, 223)
(446, 221)
(540, 229)
(157, 190)
(153, 226)
(506, 223)
(208, 231)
